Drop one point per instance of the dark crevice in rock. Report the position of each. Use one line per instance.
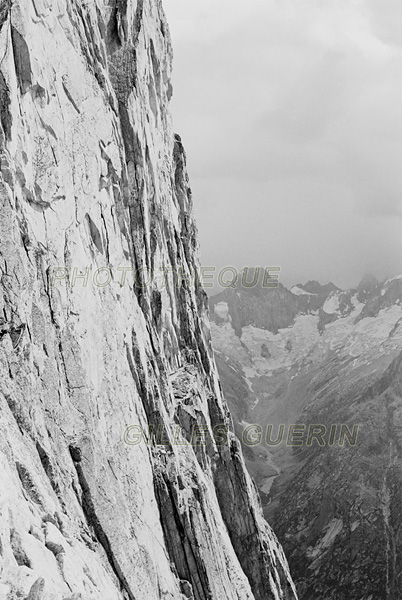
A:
(138, 17)
(47, 286)
(129, 137)
(49, 470)
(5, 7)
(63, 363)
(5, 113)
(19, 413)
(106, 237)
(28, 484)
(18, 550)
(177, 534)
(149, 398)
(69, 96)
(121, 20)
(88, 507)
(156, 306)
(22, 60)
(95, 234)
(94, 55)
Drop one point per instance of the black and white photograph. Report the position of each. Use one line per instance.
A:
(200, 300)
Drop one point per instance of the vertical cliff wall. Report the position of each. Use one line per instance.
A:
(93, 187)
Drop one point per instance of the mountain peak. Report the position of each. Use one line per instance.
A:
(315, 287)
(368, 282)
(367, 287)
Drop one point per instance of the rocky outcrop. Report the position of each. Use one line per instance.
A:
(270, 308)
(334, 506)
(104, 332)
(268, 305)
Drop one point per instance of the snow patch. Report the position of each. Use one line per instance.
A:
(297, 291)
(393, 279)
(331, 304)
(334, 527)
(222, 310)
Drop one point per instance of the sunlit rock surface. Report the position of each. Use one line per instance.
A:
(93, 183)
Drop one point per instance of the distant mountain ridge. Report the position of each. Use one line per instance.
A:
(273, 308)
(316, 354)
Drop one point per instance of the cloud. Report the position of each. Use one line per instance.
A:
(290, 112)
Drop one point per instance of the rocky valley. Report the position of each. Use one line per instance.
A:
(318, 356)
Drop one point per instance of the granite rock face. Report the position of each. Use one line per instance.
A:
(94, 189)
(334, 502)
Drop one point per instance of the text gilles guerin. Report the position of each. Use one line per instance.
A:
(253, 435)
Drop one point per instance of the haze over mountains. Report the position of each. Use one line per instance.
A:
(316, 354)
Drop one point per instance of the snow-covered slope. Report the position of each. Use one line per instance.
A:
(337, 361)
(342, 322)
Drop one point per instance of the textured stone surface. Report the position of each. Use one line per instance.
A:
(92, 177)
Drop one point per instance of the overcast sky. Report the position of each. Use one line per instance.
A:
(291, 115)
